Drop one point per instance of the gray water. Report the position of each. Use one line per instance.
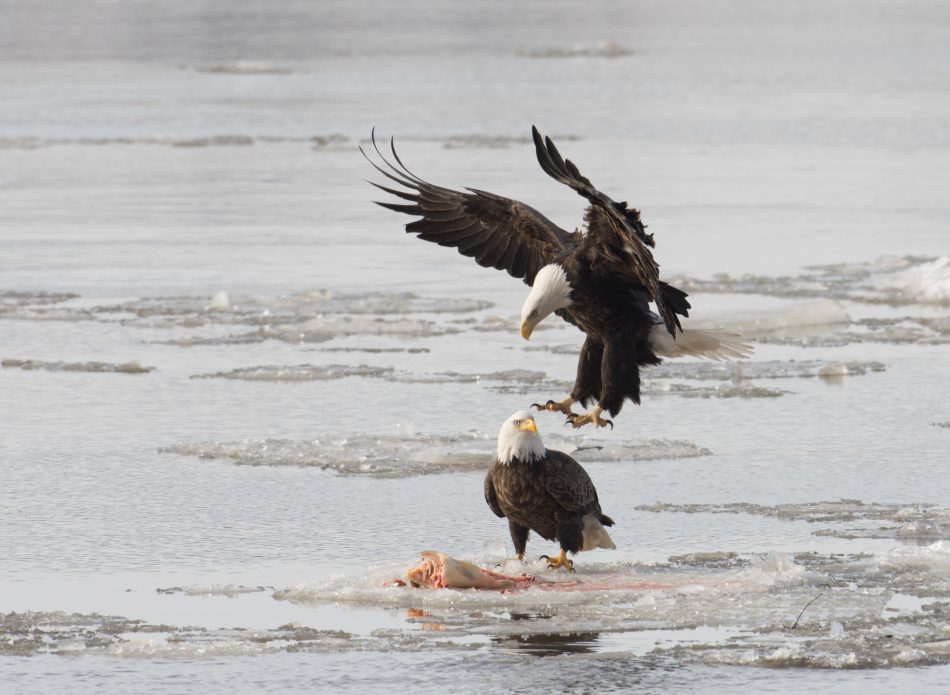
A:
(212, 492)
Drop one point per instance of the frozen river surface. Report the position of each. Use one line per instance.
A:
(236, 400)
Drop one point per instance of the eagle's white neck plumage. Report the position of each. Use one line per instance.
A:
(551, 291)
(514, 443)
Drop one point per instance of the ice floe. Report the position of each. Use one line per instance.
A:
(772, 608)
(771, 369)
(226, 308)
(407, 455)
(897, 281)
(16, 299)
(921, 330)
(604, 49)
(208, 590)
(920, 524)
(796, 319)
(506, 381)
(29, 142)
(75, 634)
(321, 315)
(659, 380)
(120, 368)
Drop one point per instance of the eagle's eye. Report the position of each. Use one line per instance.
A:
(534, 312)
(517, 423)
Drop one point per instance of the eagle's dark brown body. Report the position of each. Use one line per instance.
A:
(617, 321)
(550, 496)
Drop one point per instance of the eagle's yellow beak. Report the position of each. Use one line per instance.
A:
(526, 330)
(529, 426)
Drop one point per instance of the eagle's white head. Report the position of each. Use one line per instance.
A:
(551, 291)
(519, 439)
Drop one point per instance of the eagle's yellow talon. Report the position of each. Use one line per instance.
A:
(590, 417)
(559, 561)
(556, 406)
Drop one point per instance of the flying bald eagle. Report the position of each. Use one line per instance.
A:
(544, 491)
(602, 281)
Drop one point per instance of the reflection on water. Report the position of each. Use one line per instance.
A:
(549, 644)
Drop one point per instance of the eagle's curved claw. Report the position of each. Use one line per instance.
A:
(592, 416)
(560, 561)
(556, 406)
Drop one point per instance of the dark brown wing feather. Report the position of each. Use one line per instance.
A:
(568, 483)
(490, 495)
(616, 243)
(497, 232)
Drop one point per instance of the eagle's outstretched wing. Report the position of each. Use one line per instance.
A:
(497, 232)
(568, 483)
(616, 243)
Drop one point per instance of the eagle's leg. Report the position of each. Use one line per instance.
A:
(519, 538)
(587, 383)
(559, 561)
(592, 416)
(556, 406)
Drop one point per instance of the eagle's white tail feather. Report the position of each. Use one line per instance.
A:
(594, 534)
(713, 345)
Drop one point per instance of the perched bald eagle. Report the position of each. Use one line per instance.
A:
(602, 281)
(544, 491)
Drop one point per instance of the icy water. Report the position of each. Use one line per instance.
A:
(236, 400)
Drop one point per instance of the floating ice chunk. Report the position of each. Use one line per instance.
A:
(822, 312)
(228, 590)
(691, 589)
(219, 302)
(785, 656)
(910, 656)
(633, 450)
(410, 454)
(28, 633)
(9, 299)
(302, 372)
(316, 312)
(777, 568)
(707, 559)
(928, 281)
(770, 369)
(934, 559)
(603, 49)
(907, 280)
(244, 67)
(827, 511)
(834, 371)
(121, 368)
(71, 646)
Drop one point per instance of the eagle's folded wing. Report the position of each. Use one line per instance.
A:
(568, 483)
